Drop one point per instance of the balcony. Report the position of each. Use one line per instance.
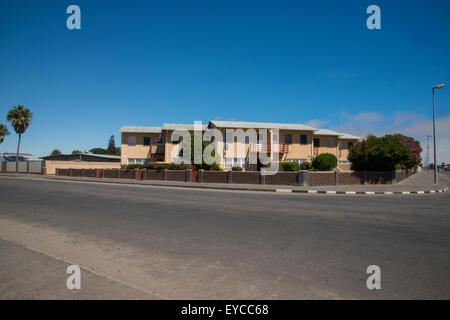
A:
(262, 148)
(280, 148)
(258, 148)
(157, 149)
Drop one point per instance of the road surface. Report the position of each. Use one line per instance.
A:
(141, 242)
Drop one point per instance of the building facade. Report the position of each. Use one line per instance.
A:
(239, 144)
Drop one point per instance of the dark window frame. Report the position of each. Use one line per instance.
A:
(318, 142)
(149, 141)
(286, 140)
(303, 139)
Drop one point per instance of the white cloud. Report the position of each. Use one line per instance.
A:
(316, 123)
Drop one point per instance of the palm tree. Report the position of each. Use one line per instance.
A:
(3, 132)
(20, 119)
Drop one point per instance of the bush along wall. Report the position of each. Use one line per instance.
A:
(324, 162)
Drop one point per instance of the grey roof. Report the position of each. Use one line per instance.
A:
(349, 136)
(327, 132)
(181, 126)
(138, 129)
(259, 125)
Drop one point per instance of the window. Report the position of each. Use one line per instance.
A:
(131, 140)
(159, 139)
(316, 142)
(329, 143)
(340, 145)
(137, 161)
(303, 139)
(350, 145)
(288, 138)
(247, 139)
(146, 141)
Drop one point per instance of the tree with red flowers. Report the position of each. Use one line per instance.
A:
(415, 148)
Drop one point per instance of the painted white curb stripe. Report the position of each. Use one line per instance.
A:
(420, 191)
(370, 192)
(312, 191)
(350, 192)
(283, 190)
(405, 192)
(331, 192)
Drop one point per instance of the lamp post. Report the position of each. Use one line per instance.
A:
(428, 154)
(440, 86)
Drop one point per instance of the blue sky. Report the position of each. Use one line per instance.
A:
(149, 62)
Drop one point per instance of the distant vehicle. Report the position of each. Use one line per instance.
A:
(13, 158)
(447, 168)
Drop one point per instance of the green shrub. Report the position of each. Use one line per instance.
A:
(305, 166)
(133, 166)
(290, 166)
(236, 168)
(380, 154)
(324, 162)
(210, 167)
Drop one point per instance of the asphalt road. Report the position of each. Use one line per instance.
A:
(156, 242)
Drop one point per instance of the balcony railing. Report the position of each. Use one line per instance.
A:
(258, 148)
(263, 148)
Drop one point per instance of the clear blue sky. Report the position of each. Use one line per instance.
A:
(149, 62)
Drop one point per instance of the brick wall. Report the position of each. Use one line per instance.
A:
(176, 175)
(249, 177)
(321, 179)
(126, 174)
(282, 178)
(346, 178)
(154, 175)
(214, 176)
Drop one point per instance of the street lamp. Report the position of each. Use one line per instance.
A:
(440, 86)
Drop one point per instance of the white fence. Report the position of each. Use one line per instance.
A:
(23, 166)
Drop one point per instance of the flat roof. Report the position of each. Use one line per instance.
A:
(350, 136)
(327, 132)
(260, 125)
(142, 129)
(181, 126)
(83, 157)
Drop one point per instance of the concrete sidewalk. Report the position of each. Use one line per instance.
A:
(416, 184)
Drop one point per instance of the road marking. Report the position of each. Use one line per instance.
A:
(331, 192)
(350, 192)
(370, 192)
(283, 190)
(312, 191)
(419, 192)
(405, 192)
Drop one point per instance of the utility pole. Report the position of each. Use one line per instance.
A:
(428, 153)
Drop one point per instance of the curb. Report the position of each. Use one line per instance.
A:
(361, 192)
(205, 186)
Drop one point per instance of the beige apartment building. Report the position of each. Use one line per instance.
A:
(290, 142)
